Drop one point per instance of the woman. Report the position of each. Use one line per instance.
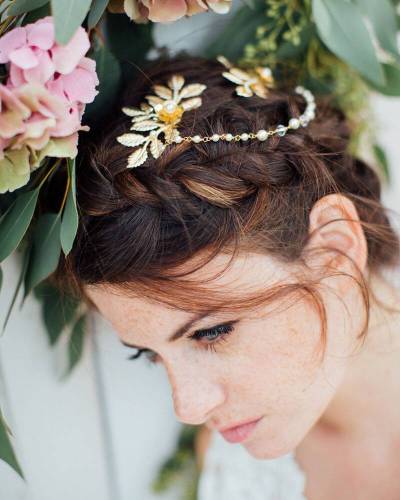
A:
(250, 267)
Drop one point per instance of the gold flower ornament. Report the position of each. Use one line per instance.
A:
(254, 81)
(160, 115)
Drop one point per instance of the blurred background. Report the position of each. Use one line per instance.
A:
(103, 432)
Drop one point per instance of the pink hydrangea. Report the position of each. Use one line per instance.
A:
(164, 11)
(44, 96)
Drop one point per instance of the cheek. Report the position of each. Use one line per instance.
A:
(284, 377)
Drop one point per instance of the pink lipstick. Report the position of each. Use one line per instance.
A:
(239, 433)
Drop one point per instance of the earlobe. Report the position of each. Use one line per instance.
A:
(334, 223)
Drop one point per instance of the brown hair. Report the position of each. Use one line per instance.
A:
(140, 227)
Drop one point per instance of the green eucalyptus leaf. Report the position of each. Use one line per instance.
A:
(45, 252)
(239, 31)
(6, 450)
(109, 73)
(76, 343)
(382, 15)
(96, 11)
(341, 27)
(15, 223)
(129, 42)
(69, 224)
(35, 15)
(58, 309)
(19, 7)
(392, 86)
(25, 260)
(68, 16)
(381, 158)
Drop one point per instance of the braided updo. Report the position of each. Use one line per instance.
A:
(140, 226)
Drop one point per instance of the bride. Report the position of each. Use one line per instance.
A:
(228, 234)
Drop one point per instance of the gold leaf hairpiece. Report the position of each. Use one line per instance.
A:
(255, 81)
(160, 116)
(163, 111)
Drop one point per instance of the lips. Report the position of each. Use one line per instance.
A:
(240, 432)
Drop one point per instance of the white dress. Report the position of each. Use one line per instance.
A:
(231, 473)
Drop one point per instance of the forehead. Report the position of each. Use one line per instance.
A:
(246, 272)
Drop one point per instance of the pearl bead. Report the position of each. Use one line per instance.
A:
(299, 89)
(262, 135)
(215, 137)
(281, 130)
(196, 139)
(244, 137)
(158, 107)
(310, 115)
(294, 123)
(228, 137)
(303, 120)
(178, 139)
(307, 94)
(170, 106)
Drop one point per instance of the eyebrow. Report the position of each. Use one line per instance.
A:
(181, 330)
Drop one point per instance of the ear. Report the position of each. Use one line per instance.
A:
(334, 223)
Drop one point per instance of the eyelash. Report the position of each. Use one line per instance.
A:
(222, 330)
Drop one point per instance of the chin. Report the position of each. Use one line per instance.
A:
(268, 448)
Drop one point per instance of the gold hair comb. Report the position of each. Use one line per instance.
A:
(162, 112)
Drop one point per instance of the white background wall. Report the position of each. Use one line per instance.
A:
(103, 433)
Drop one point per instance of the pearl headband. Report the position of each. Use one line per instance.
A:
(162, 112)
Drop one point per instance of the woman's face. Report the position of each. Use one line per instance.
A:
(260, 364)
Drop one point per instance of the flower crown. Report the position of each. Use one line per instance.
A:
(162, 112)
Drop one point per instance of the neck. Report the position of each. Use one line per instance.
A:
(367, 401)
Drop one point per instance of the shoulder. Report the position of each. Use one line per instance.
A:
(229, 472)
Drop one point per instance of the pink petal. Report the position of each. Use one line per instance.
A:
(37, 125)
(69, 125)
(16, 77)
(90, 65)
(24, 57)
(43, 71)
(80, 85)
(196, 6)
(11, 41)
(40, 35)
(67, 57)
(164, 11)
(11, 101)
(56, 87)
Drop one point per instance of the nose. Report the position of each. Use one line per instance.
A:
(195, 395)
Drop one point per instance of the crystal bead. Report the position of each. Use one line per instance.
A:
(215, 137)
(244, 137)
(262, 135)
(196, 139)
(281, 130)
(228, 137)
(294, 123)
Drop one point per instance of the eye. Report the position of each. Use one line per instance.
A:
(214, 335)
(210, 336)
(150, 355)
